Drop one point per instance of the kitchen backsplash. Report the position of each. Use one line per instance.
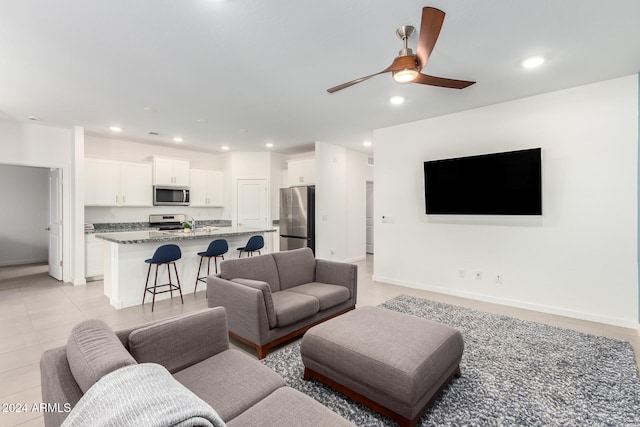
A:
(134, 226)
(98, 214)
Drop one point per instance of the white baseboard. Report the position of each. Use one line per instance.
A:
(356, 259)
(514, 303)
(23, 262)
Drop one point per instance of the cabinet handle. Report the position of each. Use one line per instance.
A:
(117, 199)
(123, 200)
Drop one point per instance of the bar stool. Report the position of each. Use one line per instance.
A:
(216, 250)
(165, 254)
(254, 244)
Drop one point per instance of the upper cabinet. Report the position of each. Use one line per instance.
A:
(172, 172)
(301, 172)
(116, 183)
(206, 188)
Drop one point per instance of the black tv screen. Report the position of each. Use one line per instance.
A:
(507, 183)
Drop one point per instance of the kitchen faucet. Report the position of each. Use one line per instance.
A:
(192, 221)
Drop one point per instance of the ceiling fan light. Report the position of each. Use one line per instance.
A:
(406, 75)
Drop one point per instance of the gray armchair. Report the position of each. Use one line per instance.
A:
(273, 298)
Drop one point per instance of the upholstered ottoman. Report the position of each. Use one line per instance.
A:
(394, 363)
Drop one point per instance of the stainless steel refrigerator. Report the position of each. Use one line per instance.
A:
(297, 218)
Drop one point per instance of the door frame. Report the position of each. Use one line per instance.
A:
(56, 271)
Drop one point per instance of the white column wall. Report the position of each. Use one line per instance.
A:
(578, 259)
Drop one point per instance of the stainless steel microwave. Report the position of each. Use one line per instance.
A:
(170, 196)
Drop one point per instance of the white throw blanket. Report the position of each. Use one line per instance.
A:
(141, 395)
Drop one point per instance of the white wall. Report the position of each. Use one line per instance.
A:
(50, 147)
(331, 201)
(278, 163)
(578, 259)
(23, 218)
(341, 177)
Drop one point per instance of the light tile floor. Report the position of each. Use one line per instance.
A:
(37, 313)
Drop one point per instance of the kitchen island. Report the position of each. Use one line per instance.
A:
(125, 270)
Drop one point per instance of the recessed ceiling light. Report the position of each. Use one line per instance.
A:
(115, 129)
(242, 130)
(150, 109)
(225, 147)
(269, 145)
(153, 132)
(33, 118)
(533, 62)
(367, 143)
(202, 121)
(396, 100)
(177, 139)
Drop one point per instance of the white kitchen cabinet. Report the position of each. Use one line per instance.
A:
(301, 172)
(94, 257)
(206, 188)
(116, 183)
(172, 172)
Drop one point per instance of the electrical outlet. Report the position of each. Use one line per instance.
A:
(498, 278)
(461, 273)
(478, 275)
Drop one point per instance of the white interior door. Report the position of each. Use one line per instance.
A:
(369, 217)
(54, 227)
(252, 203)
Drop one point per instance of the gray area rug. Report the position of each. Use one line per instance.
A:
(514, 373)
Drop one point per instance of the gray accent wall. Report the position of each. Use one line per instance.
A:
(23, 217)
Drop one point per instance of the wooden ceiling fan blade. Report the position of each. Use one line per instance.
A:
(432, 20)
(442, 82)
(353, 82)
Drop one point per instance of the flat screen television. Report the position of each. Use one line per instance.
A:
(508, 183)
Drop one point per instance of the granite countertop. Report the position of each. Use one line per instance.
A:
(147, 236)
(121, 227)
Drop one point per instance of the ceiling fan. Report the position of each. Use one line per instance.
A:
(407, 65)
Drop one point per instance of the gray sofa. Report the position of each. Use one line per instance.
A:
(194, 349)
(273, 298)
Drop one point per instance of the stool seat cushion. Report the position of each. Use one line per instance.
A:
(164, 254)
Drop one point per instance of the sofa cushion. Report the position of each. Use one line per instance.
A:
(231, 382)
(93, 351)
(292, 306)
(181, 341)
(255, 268)
(327, 295)
(287, 407)
(266, 294)
(295, 267)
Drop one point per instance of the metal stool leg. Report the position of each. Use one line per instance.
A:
(155, 283)
(170, 283)
(146, 284)
(198, 276)
(178, 280)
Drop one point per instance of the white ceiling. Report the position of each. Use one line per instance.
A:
(257, 71)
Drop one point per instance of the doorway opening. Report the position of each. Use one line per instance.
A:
(31, 248)
(369, 218)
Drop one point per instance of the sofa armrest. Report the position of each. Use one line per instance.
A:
(58, 385)
(245, 305)
(266, 294)
(338, 273)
